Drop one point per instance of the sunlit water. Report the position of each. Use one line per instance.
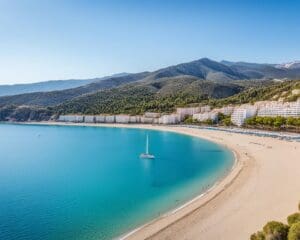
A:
(62, 182)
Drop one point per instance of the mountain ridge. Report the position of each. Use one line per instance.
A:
(203, 69)
(50, 85)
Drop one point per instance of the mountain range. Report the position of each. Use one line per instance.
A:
(174, 85)
(52, 85)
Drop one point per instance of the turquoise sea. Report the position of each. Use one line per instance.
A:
(69, 183)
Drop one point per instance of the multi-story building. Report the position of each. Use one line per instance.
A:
(147, 120)
(183, 112)
(169, 119)
(122, 118)
(100, 118)
(134, 119)
(273, 109)
(151, 115)
(71, 118)
(205, 109)
(110, 119)
(228, 110)
(241, 113)
(201, 117)
(89, 119)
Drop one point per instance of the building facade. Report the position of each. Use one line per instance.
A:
(241, 113)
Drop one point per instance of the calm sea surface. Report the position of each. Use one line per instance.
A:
(89, 183)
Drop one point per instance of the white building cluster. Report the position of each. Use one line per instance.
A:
(208, 114)
(238, 114)
(71, 118)
(147, 118)
(201, 117)
(273, 109)
(265, 109)
(183, 112)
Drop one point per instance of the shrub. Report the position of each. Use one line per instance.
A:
(258, 236)
(294, 233)
(188, 120)
(227, 121)
(293, 218)
(275, 231)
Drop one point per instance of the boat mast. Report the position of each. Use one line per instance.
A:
(147, 145)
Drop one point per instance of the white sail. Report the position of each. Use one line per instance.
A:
(146, 155)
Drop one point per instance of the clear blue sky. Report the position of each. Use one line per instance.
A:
(61, 39)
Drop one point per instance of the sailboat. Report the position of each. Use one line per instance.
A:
(147, 155)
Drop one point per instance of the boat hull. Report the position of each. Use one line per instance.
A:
(147, 156)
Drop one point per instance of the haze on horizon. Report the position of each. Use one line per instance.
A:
(86, 39)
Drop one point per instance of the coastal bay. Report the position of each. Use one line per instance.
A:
(94, 185)
(262, 186)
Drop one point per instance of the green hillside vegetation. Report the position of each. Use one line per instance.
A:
(53, 98)
(25, 113)
(273, 91)
(279, 231)
(158, 96)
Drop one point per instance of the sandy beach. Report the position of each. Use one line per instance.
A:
(262, 186)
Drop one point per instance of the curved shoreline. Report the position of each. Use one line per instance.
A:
(243, 201)
(184, 206)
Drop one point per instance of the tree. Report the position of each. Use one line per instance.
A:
(258, 236)
(227, 121)
(275, 231)
(293, 218)
(294, 232)
(188, 120)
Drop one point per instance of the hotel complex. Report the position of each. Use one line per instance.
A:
(238, 114)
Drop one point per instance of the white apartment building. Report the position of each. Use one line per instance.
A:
(205, 116)
(169, 119)
(134, 119)
(122, 118)
(241, 113)
(147, 120)
(273, 109)
(71, 118)
(183, 112)
(228, 110)
(89, 119)
(205, 109)
(151, 115)
(100, 118)
(110, 119)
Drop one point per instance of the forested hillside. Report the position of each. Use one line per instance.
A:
(157, 96)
